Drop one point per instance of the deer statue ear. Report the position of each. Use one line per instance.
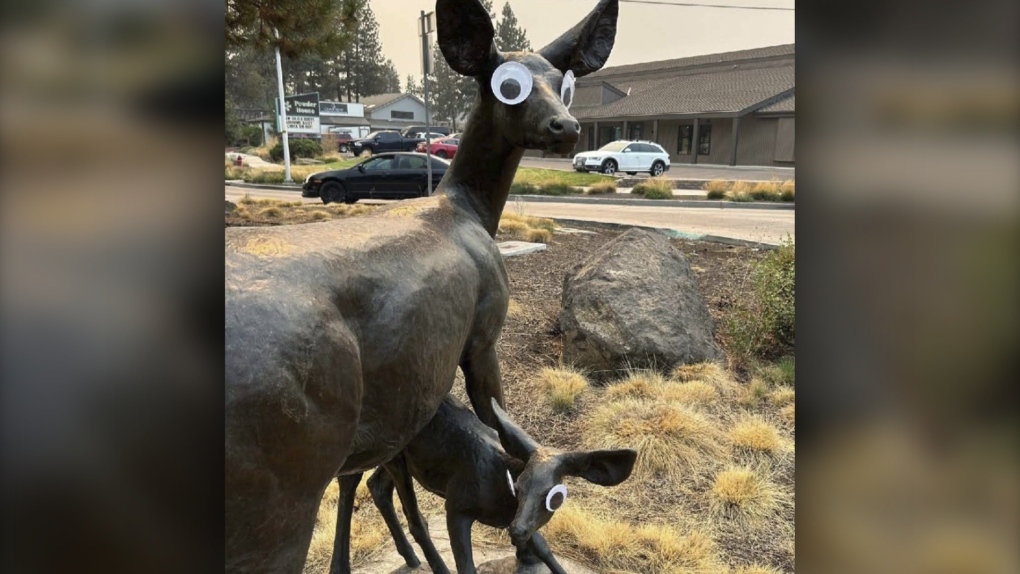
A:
(512, 437)
(602, 467)
(465, 35)
(585, 47)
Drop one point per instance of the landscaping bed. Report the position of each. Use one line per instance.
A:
(713, 488)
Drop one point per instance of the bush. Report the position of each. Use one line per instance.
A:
(765, 326)
(299, 147)
(740, 191)
(766, 191)
(523, 189)
(786, 192)
(654, 188)
(602, 187)
(557, 189)
(538, 235)
(564, 385)
(716, 188)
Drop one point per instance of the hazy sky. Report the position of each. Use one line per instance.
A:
(645, 32)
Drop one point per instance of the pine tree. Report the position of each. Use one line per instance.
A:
(510, 37)
(446, 96)
(412, 87)
(390, 78)
(303, 26)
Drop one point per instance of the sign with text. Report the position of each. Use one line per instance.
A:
(302, 114)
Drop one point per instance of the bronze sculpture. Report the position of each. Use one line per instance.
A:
(342, 338)
(462, 460)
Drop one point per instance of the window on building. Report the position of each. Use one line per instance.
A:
(683, 144)
(635, 131)
(704, 140)
(399, 115)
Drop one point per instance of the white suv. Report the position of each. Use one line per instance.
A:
(626, 156)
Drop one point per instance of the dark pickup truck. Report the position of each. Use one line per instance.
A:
(379, 142)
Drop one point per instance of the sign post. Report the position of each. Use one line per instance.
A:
(283, 116)
(425, 27)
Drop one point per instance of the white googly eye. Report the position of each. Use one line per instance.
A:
(512, 83)
(556, 497)
(510, 481)
(567, 89)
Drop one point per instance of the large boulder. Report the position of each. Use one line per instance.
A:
(635, 304)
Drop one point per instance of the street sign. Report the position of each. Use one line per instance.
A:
(302, 113)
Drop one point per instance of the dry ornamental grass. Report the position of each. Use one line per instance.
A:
(564, 385)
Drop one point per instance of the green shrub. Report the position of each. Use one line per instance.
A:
(715, 194)
(786, 190)
(523, 189)
(554, 188)
(654, 188)
(264, 177)
(299, 147)
(765, 326)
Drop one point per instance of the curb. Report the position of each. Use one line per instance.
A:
(670, 232)
(720, 204)
(707, 203)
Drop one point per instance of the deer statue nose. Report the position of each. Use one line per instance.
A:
(517, 534)
(565, 127)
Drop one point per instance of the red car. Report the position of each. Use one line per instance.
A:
(444, 148)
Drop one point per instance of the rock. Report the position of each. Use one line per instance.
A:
(230, 206)
(509, 565)
(635, 304)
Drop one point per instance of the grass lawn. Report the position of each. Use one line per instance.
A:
(537, 176)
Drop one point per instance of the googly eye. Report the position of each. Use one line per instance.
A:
(510, 481)
(567, 89)
(512, 83)
(556, 497)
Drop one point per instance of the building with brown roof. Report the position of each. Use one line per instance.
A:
(734, 108)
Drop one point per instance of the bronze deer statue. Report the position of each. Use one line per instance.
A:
(342, 338)
(501, 478)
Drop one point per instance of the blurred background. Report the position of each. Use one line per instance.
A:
(111, 270)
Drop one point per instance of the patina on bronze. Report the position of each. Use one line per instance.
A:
(464, 461)
(343, 337)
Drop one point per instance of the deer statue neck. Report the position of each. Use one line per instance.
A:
(484, 167)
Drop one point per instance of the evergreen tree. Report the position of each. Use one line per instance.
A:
(510, 37)
(249, 78)
(412, 87)
(303, 26)
(446, 96)
(390, 77)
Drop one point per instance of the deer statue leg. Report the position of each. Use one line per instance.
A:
(539, 548)
(481, 374)
(416, 523)
(380, 484)
(459, 527)
(341, 562)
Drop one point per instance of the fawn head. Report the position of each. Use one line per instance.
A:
(526, 95)
(539, 488)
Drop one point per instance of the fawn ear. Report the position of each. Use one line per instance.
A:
(512, 437)
(585, 47)
(465, 35)
(603, 467)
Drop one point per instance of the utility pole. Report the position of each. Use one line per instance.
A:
(283, 114)
(424, 29)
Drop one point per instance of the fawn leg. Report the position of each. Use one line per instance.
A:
(482, 378)
(380, 484)
(416, 523)
(459, 527)
(341, 561)
(538, 546)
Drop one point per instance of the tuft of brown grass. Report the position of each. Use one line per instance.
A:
(782, 396)
(710, 373)
(754, 435)
(513, 228)
(654, 188)
(319, 215)
(514, 309)
(538, 235)
(754, 393)
(601, 188)
(766, 191)
(368, 531)
(691, 393)
(671, 439)
(271, 212)
(716, 189)
(617, 546)
(564, 385)
(247, 200)
(757, 569)
(742, 495)
(637, 385)
(786, 191)
(788, 414)
(740, 191)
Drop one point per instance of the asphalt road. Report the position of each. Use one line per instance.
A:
(761, 225)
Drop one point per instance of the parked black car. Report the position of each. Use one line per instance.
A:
(384, 141)
(384, 176)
